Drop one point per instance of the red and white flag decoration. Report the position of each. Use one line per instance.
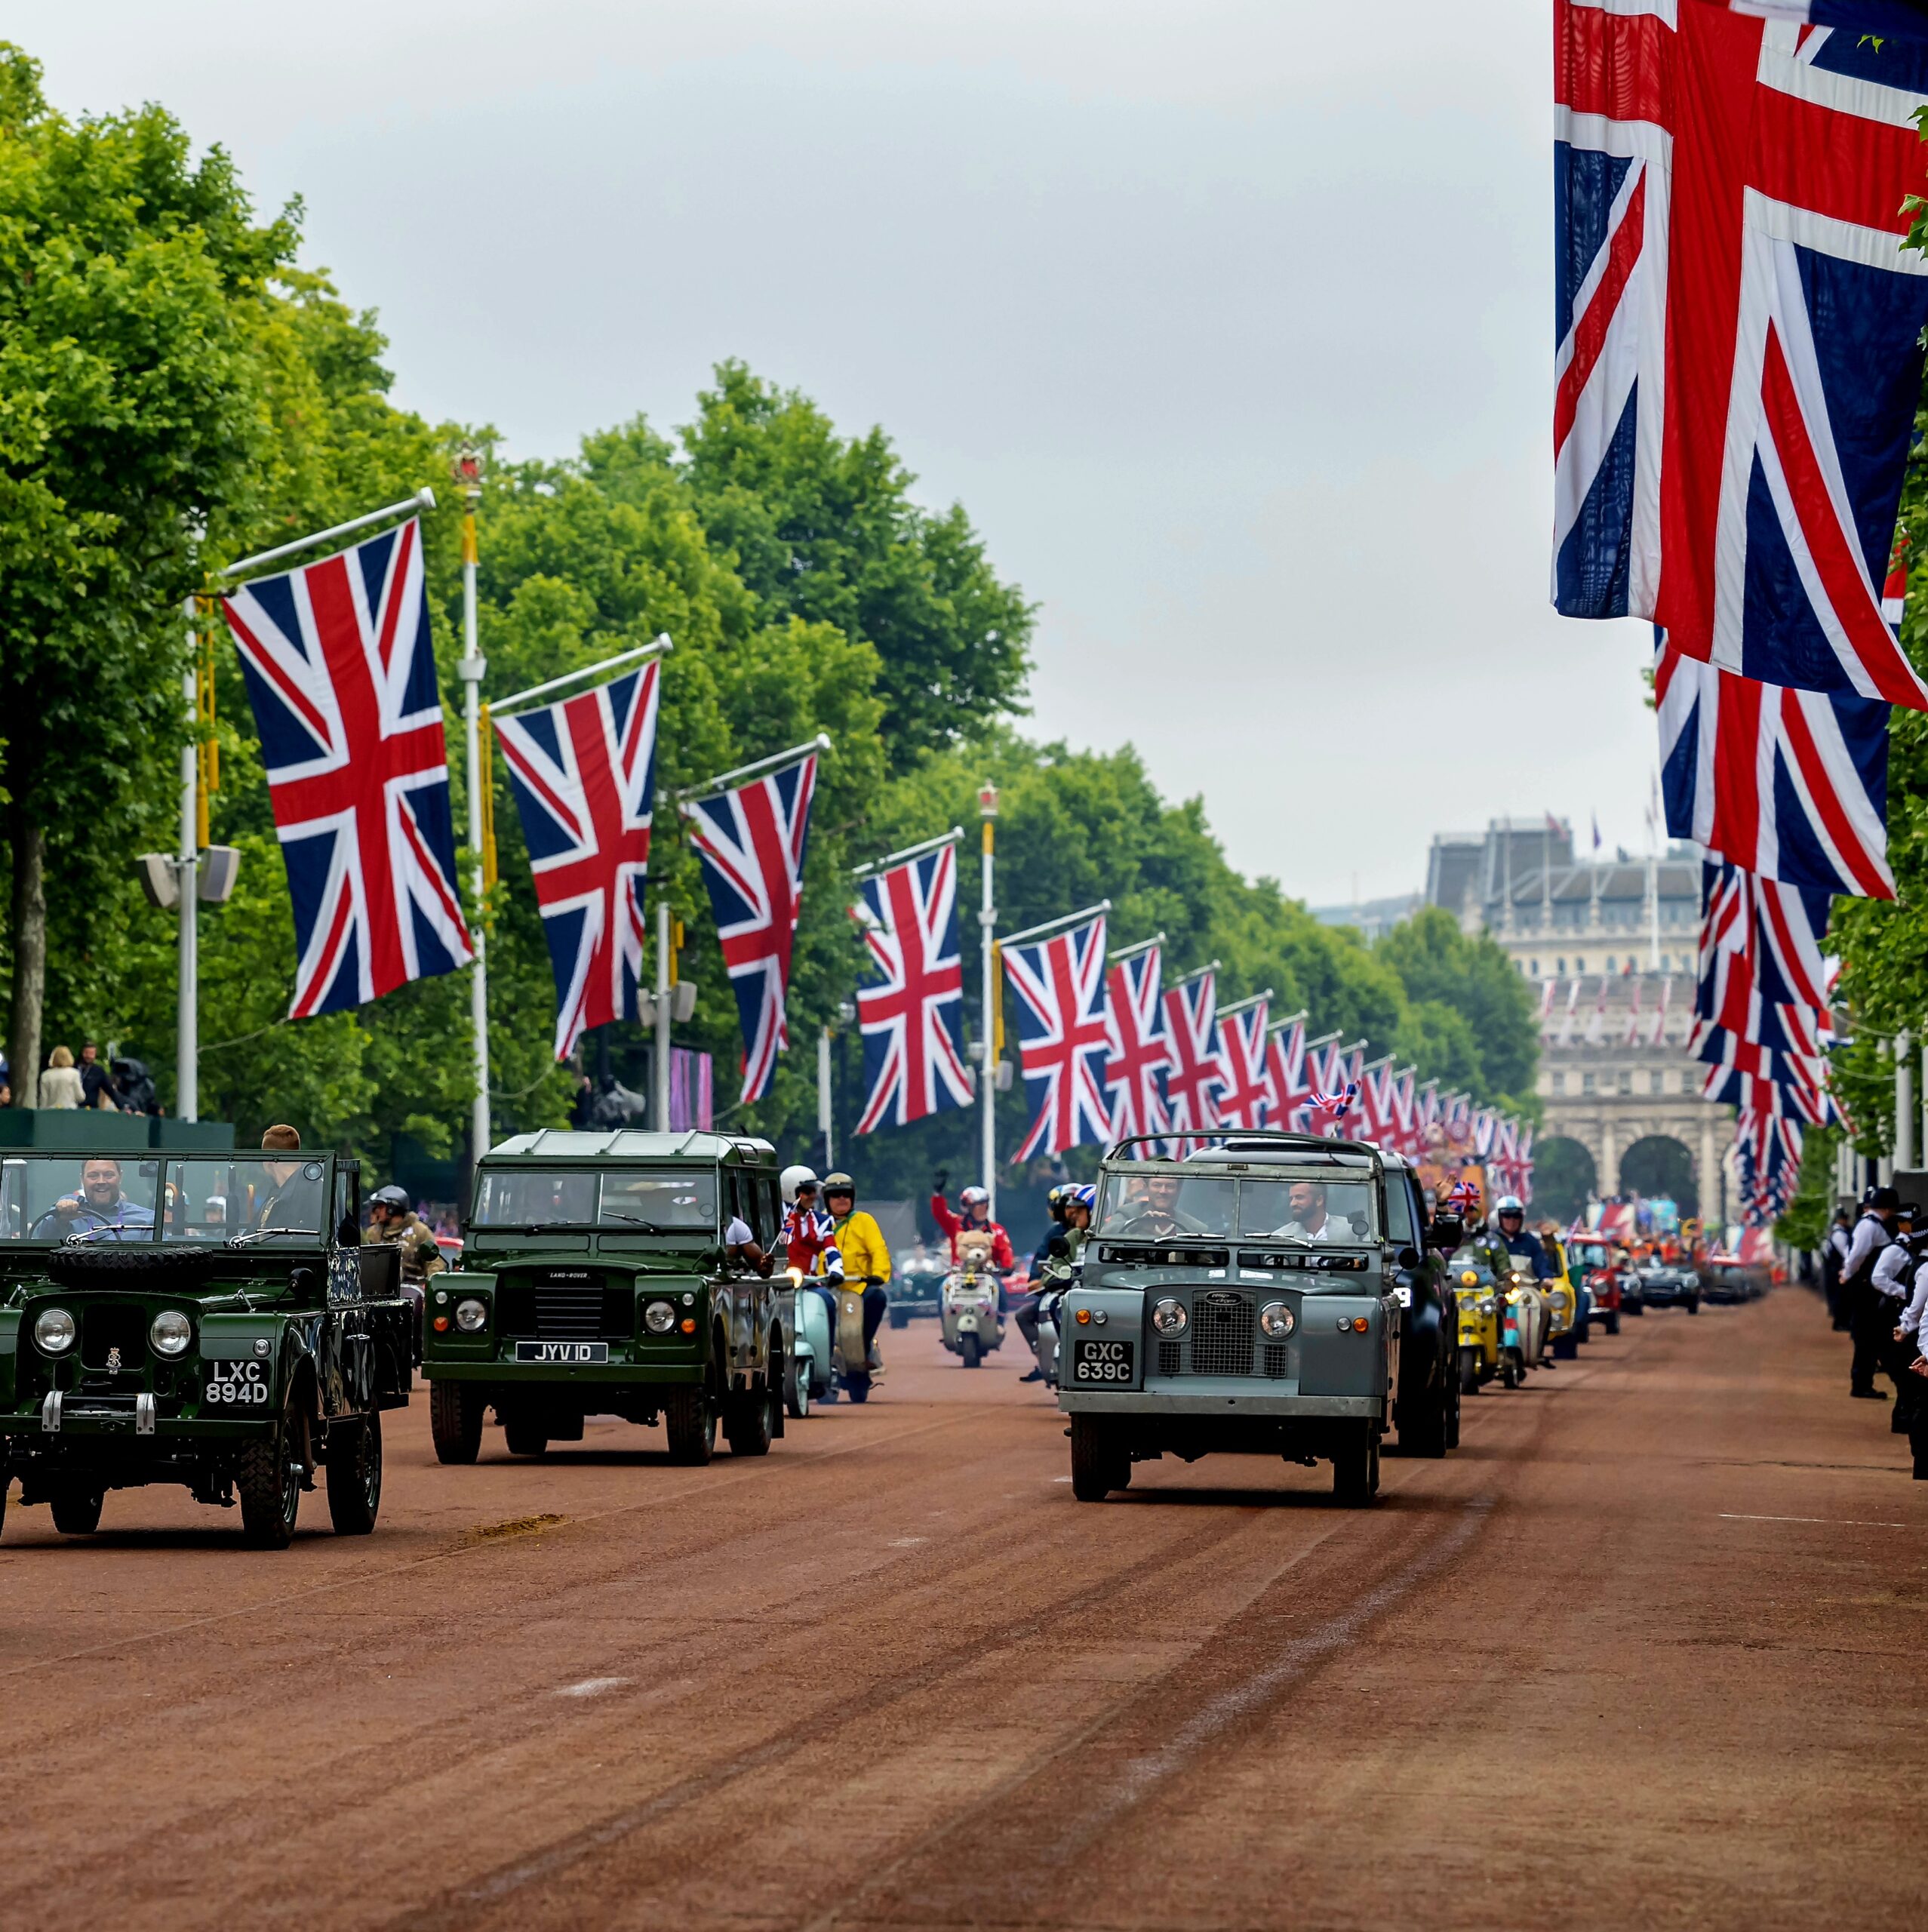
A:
(1287, 1090)
(1137, 1052)
(1060, 985)
(1191, 1079)
(1244, 1091)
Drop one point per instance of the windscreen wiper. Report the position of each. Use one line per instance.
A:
(633, 1220)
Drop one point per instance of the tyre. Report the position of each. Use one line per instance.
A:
(354, 1475)
(857, 1386)
(1428, 1439)
(971, 1350)
(524, 1438)
(1355, 1470)
(269, 1481)
(900, 1318)
(1565, 1348)
(1693, 1306)
(1511, 1374)
(796, 1388)
(1638, 1308)
(1098, 1463)
(455, 1420)
(749, 1421)
(1613, 1322)
(1469, 1371)
(1583, 1331)
(1453, 1399)
(691, 1424)
(77, 1510)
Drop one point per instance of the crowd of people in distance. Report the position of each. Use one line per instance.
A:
(125, 1086)
(1876, 1287)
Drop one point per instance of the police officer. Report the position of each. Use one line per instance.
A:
(1890, 1287)
(1872, 1233)
(393, 1223)
(1833, 1252)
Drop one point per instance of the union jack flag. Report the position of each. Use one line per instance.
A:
(752, 842)
(1244, 1091)
(1191, 1079)
(912, 1014)
(1137, 1052)
(1060, 986)
(1335, 1105)
(1760, 937)
(1753, 1095)
(341, 677)
(1287, 1089)
(584, 775)
(1790, 784)
(1376, 1102)
(1738, 364)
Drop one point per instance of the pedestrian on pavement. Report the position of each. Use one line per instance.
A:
(1872, 1233)
(60, 1085)
(96, 1084)
(1833, 1252)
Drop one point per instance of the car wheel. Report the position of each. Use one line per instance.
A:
(77, 1510)
(749, 1421)
(1099, 1464)
(796, 1388)
(354, 1475)
(269, 1479)
(455, 1420)
(1613, 1322)
(1355, 1469)
(691, 1424)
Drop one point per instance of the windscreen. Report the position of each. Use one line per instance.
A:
(209, 1198)
(667, 1198)
(654, 1199)
(82, 1198)
(536, 1198)
(1310, 1211)
(1153, 1207)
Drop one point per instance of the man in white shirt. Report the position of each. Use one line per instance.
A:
(1306, 1201)
(1873, 1233)
(1890, 1284)
(1914, 1371)
(1834, 1254)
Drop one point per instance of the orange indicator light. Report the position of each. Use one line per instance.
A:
(442, 1324)
(1083, 1316)
(689, 1324)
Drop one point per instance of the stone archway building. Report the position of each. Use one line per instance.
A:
(1609, 947)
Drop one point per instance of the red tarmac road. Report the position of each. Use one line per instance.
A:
(1651, 1649)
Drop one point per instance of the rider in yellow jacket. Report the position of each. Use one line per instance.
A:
(866, 1258)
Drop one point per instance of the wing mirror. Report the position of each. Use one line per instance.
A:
(1407, 1257)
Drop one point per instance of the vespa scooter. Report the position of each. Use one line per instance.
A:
(968, 1303)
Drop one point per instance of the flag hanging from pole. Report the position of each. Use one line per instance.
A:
(752, 842)
(1137, 1052)
(583, 772)
(911, 1014)
(1060, 987)
(1191, 1079)
(1242, 1091)
(1287, 1089)
(341, 675)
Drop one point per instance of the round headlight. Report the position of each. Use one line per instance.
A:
(54, 1330)
(1275, 1319)
(1469, 1278)
(658, 1318)
(171, 1333)
(1169, 1317)
(471, 1315)
(1485, 1304)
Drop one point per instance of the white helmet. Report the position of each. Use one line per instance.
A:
(971, 1196)
(793, 1178)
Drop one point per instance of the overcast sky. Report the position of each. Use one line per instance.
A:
(1228, 323)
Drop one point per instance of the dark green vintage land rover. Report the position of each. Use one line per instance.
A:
(207, 1319)
(594, 1281)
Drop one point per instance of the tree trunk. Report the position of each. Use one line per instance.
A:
(30, 946)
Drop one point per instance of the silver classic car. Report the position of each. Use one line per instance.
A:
(1242, 1299)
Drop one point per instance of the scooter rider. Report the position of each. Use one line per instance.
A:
(1510, 1214)
(809, 1236)
(975, 1218)
(393, 1223)
(1071, 1207)
(866, 1256)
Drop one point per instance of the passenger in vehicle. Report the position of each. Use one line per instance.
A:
(295, 1206)
(1305, 1200)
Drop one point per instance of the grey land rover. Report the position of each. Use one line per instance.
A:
(1244, 1298)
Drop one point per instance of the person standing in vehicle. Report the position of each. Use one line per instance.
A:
(866, 1256)
(393, 1223)
(976, 1218)
(1872, 1233)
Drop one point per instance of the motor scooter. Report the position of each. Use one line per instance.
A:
(808, 1376)
(850, 1358)
(972, 1322)
(1523, 1328)
(1476, 1297)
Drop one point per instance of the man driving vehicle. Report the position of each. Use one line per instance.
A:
(1154, 1215)
(1305, 1200)
(98, 1210)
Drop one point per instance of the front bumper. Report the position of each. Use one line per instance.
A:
(1270, 1407)
(568, 1375)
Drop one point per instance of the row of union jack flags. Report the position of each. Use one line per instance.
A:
(1738, 366)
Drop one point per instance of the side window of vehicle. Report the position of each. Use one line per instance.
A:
(772, 1220)
(1400, 1223)
(348, 1204)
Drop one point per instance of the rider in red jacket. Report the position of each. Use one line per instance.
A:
(976, 1217)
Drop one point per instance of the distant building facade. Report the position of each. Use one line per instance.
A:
(1610, 945)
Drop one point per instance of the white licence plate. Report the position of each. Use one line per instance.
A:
(236, 1385)
(562, 1351)
(1101, 1361)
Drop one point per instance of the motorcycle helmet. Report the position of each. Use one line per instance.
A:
(1085, 1197)
(391, 1197)
(973, 1197)
(839, 1182)
(1509, 1204)
(793, 1178)
(1059, 1199)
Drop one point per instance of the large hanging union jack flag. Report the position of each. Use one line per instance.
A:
(912, 1014)
(1192, 1080)
(1737, 325)
(583, 772)
(1060, 986)
(1287, 1088)
(1790, 784)
(752, 842)
(342, 680)
(1244, 1090)
(1137, 1052)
